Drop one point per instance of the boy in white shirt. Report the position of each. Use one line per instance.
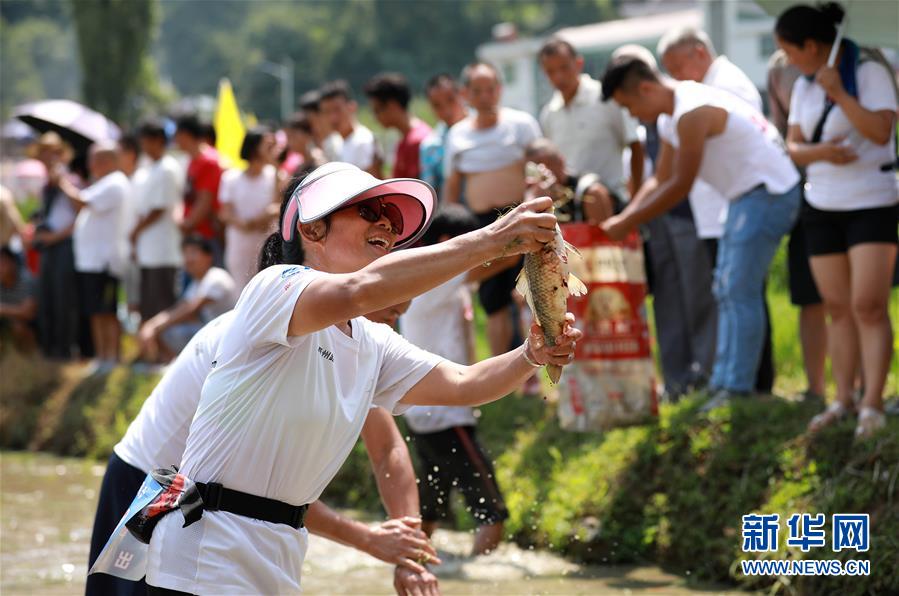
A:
(155, 237)
(211, 292)
(444, 437)
(359, 146)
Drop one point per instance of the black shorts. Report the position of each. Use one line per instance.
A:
(495, 293)
(99, 293)
(833, 232)
(120, 484)
(453, 458)
(157, 290)
(803, 291)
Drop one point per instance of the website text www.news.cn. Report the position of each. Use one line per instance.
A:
(848, 532)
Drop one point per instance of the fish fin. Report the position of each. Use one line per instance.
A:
(575, 286)
(521, 284)
(555, 373)
(524, 288)
(573, 249)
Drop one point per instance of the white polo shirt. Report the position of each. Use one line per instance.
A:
(749, 152)
(98, 231)
(590, 133)
(157, 436)
(277, 418)
(159, 245)
(860, 184)
(708, 206)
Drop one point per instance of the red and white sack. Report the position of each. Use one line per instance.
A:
(611, 382)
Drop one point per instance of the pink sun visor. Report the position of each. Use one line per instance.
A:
(337, 184)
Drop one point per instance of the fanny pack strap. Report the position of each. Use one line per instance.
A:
(218, 498)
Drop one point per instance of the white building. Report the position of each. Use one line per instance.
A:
(740, 30)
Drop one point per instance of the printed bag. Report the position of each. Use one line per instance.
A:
(163, 491)
(611, 381)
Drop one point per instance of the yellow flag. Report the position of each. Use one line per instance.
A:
(229, 128)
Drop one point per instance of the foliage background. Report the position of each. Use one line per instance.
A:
(193, 43)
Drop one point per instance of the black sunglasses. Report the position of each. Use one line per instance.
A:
(371, 210)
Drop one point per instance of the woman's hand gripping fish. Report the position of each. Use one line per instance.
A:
(546, 282)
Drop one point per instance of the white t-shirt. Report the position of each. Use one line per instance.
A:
(157, 436)
(708, 206)
(359, 148)
(590, 133)
(436, 322)
(277, 418)
(331, 146)
(159, 245)
(218, 286)
(470, 150)
(129, 209)
(98, 228)
(749, 152)
(856, 185)
(249, 196)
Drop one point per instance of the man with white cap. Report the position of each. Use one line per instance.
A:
(299, 367)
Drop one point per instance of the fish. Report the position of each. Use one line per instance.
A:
(545, 281)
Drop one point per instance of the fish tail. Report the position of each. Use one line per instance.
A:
(555, 372)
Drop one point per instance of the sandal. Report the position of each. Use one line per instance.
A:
(835, 412)
(870, 420)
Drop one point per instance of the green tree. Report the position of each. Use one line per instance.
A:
(36, 62)
(113, 38)
(204, 40)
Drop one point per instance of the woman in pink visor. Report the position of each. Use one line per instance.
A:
(299, 368)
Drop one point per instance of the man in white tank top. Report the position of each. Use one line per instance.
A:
(687, 53)
(730, 145)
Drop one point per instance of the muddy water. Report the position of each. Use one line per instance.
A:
(46, 511)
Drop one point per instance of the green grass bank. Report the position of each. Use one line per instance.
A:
(670, 492)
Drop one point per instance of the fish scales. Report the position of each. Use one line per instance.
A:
(546, 282)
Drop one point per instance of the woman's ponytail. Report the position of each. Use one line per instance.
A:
(275, 250)
(271, 252)
(800, 23)
(833, 12)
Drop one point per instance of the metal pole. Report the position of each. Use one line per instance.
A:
(283, 71)
(287, 89)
